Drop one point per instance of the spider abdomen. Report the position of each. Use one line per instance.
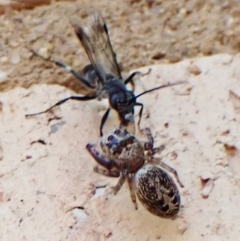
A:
(157, 191)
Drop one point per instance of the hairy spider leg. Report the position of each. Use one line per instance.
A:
(131, 186)
(167, 167)
(148, 145)
(121, 181)
(99, 158)
(105, 172)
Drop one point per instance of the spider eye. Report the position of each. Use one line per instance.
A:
(110, 138)
(148, 146)
(117, 132)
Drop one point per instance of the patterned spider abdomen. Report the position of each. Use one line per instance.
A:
(157, 191)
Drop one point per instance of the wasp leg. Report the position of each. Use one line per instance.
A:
(103, 121)
(140, 112)
(167, 167)
(99, 158)
(68, 69)
(132, 75)
(79, 98)
(132, 190)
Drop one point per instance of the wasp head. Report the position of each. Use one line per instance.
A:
(123, 102)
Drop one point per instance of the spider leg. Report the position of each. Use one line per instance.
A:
(105, 172)
(79, 98)
(99, 158)
(167, 167)
(130, 180)
(121, 180)
(148, 145)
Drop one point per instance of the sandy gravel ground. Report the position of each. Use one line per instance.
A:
(48, 190)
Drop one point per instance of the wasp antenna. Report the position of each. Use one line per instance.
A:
(161, 87)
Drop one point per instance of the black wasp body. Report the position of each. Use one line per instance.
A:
(102, 78)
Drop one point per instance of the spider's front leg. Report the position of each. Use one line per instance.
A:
(149, 144)
(106, 167)
(99, 158)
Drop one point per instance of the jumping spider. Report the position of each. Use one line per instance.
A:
(126, 157)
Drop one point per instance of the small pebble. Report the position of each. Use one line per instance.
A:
(45, 52)
(207, 47)
(107, 234)
(3, 76)
(182, 227)
(4, 59)
(193, 69)
(207, 188)
(158, 55)
(15, 58)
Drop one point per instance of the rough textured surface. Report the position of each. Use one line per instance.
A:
(49, 192)
(143, 32)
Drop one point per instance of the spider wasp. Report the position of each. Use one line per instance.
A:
(102, 77)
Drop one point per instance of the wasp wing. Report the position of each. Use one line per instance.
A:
(96, 42)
